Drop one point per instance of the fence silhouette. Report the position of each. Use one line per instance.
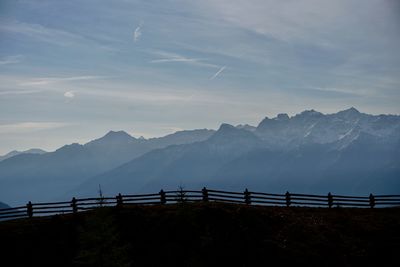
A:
(205, 195)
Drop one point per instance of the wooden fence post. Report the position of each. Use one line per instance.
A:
(371, 200)
(163, 199)
(29, 209)
(204, 191)
(181, 195)
(288, 199)
(74, 205)
(119, 200)
(330, 200)
(247, 197)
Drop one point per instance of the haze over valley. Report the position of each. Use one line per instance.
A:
(347, 152)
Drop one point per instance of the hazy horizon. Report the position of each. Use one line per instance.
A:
(133, 134)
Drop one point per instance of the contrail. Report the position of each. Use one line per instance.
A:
(218, 73)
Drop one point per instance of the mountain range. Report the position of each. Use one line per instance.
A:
(45, 177)
(347, 152)
(16, 152)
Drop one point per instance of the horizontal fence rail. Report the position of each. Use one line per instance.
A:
(205, 195)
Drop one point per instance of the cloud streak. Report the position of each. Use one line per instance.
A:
(137, 33)
(218, 73)
(20, 92)
(39, 32)
(168, 57)
(53, 35)
(11, 60)
(52, 80)
(181, 59)
(69, 96)
(27, 127)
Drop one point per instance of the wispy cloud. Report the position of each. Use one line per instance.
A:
(137, 33)
(343, 93)
(26, 127)
(21, 85)
(11, 60)
(299, 21)
(54, 36)
(218, 73)
(69, 96)
(91, 87)
(20, 92)
(139, 96)
(168, 57)
(39, 32)
(180, 59)
(51, 80)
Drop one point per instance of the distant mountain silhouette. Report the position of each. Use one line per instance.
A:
(15, 152)
(48, 176)
(169, 167)
(348, 152)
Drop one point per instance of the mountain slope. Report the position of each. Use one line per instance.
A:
(48, 176)
(363, 167)
(186, 164)
(15, 153)
(347, 152)
(311, 126)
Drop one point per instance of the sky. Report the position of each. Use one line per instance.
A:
(70, 71)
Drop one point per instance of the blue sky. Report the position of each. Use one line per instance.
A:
(72, 70)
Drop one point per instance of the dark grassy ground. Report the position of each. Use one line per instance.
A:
(205, 235)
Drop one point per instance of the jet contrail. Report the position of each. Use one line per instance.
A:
(218, 73)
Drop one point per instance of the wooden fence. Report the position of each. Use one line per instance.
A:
(204, 195)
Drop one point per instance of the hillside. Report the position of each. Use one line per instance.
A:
(205, 235)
